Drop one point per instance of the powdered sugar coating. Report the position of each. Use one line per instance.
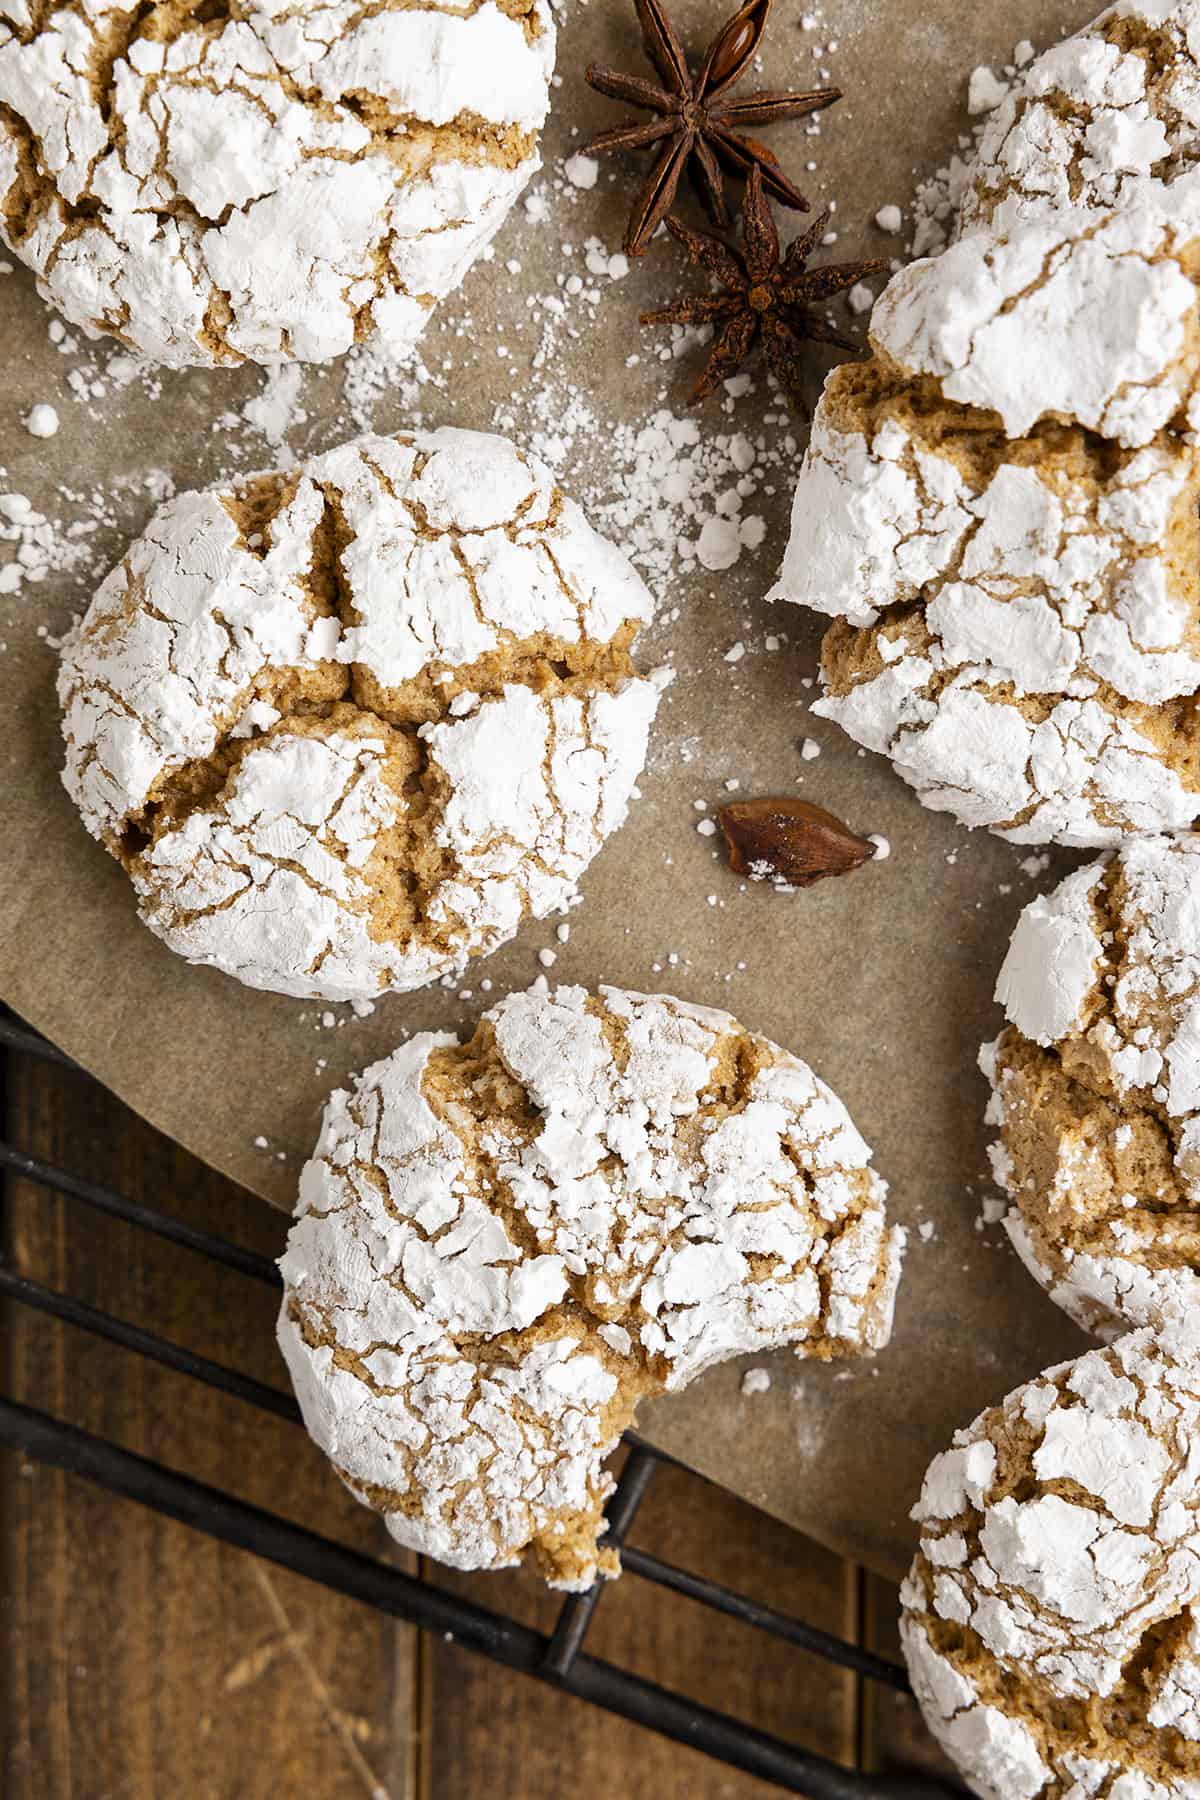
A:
(1082, 317)
(1108, 117)
(345, 751)
(1031, 625)
(500, 1248)
(1048, 1617)
(267, 185)
(1054, 960)
(1097, 1085)
(1026, 605)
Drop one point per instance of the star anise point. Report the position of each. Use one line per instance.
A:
(701, 126)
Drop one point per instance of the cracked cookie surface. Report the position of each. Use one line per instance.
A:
(1049, 1618)
(502, 1246)
(1097, 1086)
(258, 181)
(1000, 511)
(1105, 118)
(349, 725)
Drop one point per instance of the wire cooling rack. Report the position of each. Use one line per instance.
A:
(558, 1657)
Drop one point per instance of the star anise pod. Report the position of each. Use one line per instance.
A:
(767, 298)
(695, 120)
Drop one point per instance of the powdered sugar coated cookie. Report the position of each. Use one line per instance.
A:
(1049, 1616)
(501, 1246)
(349, 725)
(266, 183)
(1103, 119)
(1097, 1085)
(1000, 510)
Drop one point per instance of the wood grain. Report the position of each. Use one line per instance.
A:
(893, 1738)
(493, 1734)
(143, 1658)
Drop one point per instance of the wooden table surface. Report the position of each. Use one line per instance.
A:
(143, 1659)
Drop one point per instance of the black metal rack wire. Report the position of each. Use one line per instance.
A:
(558, 1658)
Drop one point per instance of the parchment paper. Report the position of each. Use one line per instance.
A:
(883, 980)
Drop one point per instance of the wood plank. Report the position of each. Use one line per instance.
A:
(497, 1734)
(894, 1738)
(142, 1658)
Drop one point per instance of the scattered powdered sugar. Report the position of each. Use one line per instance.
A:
(684, 495)
(99, 373)
(275, 411)
(676, 494)
(42, 420)
(984, 91)
(581, 171)
(371, 374)
(673, 495)
(40, 546)
(74, 546)
(939, 196)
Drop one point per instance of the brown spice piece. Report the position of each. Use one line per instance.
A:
(694, 120)
(790, 840)
(769, 297)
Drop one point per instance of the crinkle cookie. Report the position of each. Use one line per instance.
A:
(267, 182)
(349, 725)
(1097, 1085)
(1049, 1619)
(1102, 119)
(999, 510)
(502, 1246)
